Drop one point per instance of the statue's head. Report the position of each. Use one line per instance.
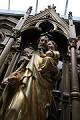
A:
(42, 43)
(52, 45)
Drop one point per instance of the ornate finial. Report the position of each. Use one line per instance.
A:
(58, 14)
(70, 15)
(54, 7)
(41, 11)
(49, 6)
(29, 10)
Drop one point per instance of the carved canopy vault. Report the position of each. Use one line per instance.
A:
(52, 17)
(48, 21)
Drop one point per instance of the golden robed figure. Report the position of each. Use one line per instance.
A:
(38, 79)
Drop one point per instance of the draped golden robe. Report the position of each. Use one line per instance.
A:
(30, 100)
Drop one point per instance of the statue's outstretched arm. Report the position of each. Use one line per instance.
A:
(15, 77)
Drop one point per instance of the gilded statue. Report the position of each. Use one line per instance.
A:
(33, 84)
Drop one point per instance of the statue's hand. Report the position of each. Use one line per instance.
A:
(13, 80)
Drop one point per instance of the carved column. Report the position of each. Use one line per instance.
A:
(12, 64)
(66, 90)
(6, 51)
(75, 93)
(3, 66)
(14, 35)
(3, 44)
(5, 41)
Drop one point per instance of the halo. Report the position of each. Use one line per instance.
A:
(30, 35)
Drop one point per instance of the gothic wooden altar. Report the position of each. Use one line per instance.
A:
(28, 30)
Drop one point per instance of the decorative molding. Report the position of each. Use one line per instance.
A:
(50, 12)
(7, 23)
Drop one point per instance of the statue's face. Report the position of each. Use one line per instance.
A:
(50, 45)
(43, 42)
